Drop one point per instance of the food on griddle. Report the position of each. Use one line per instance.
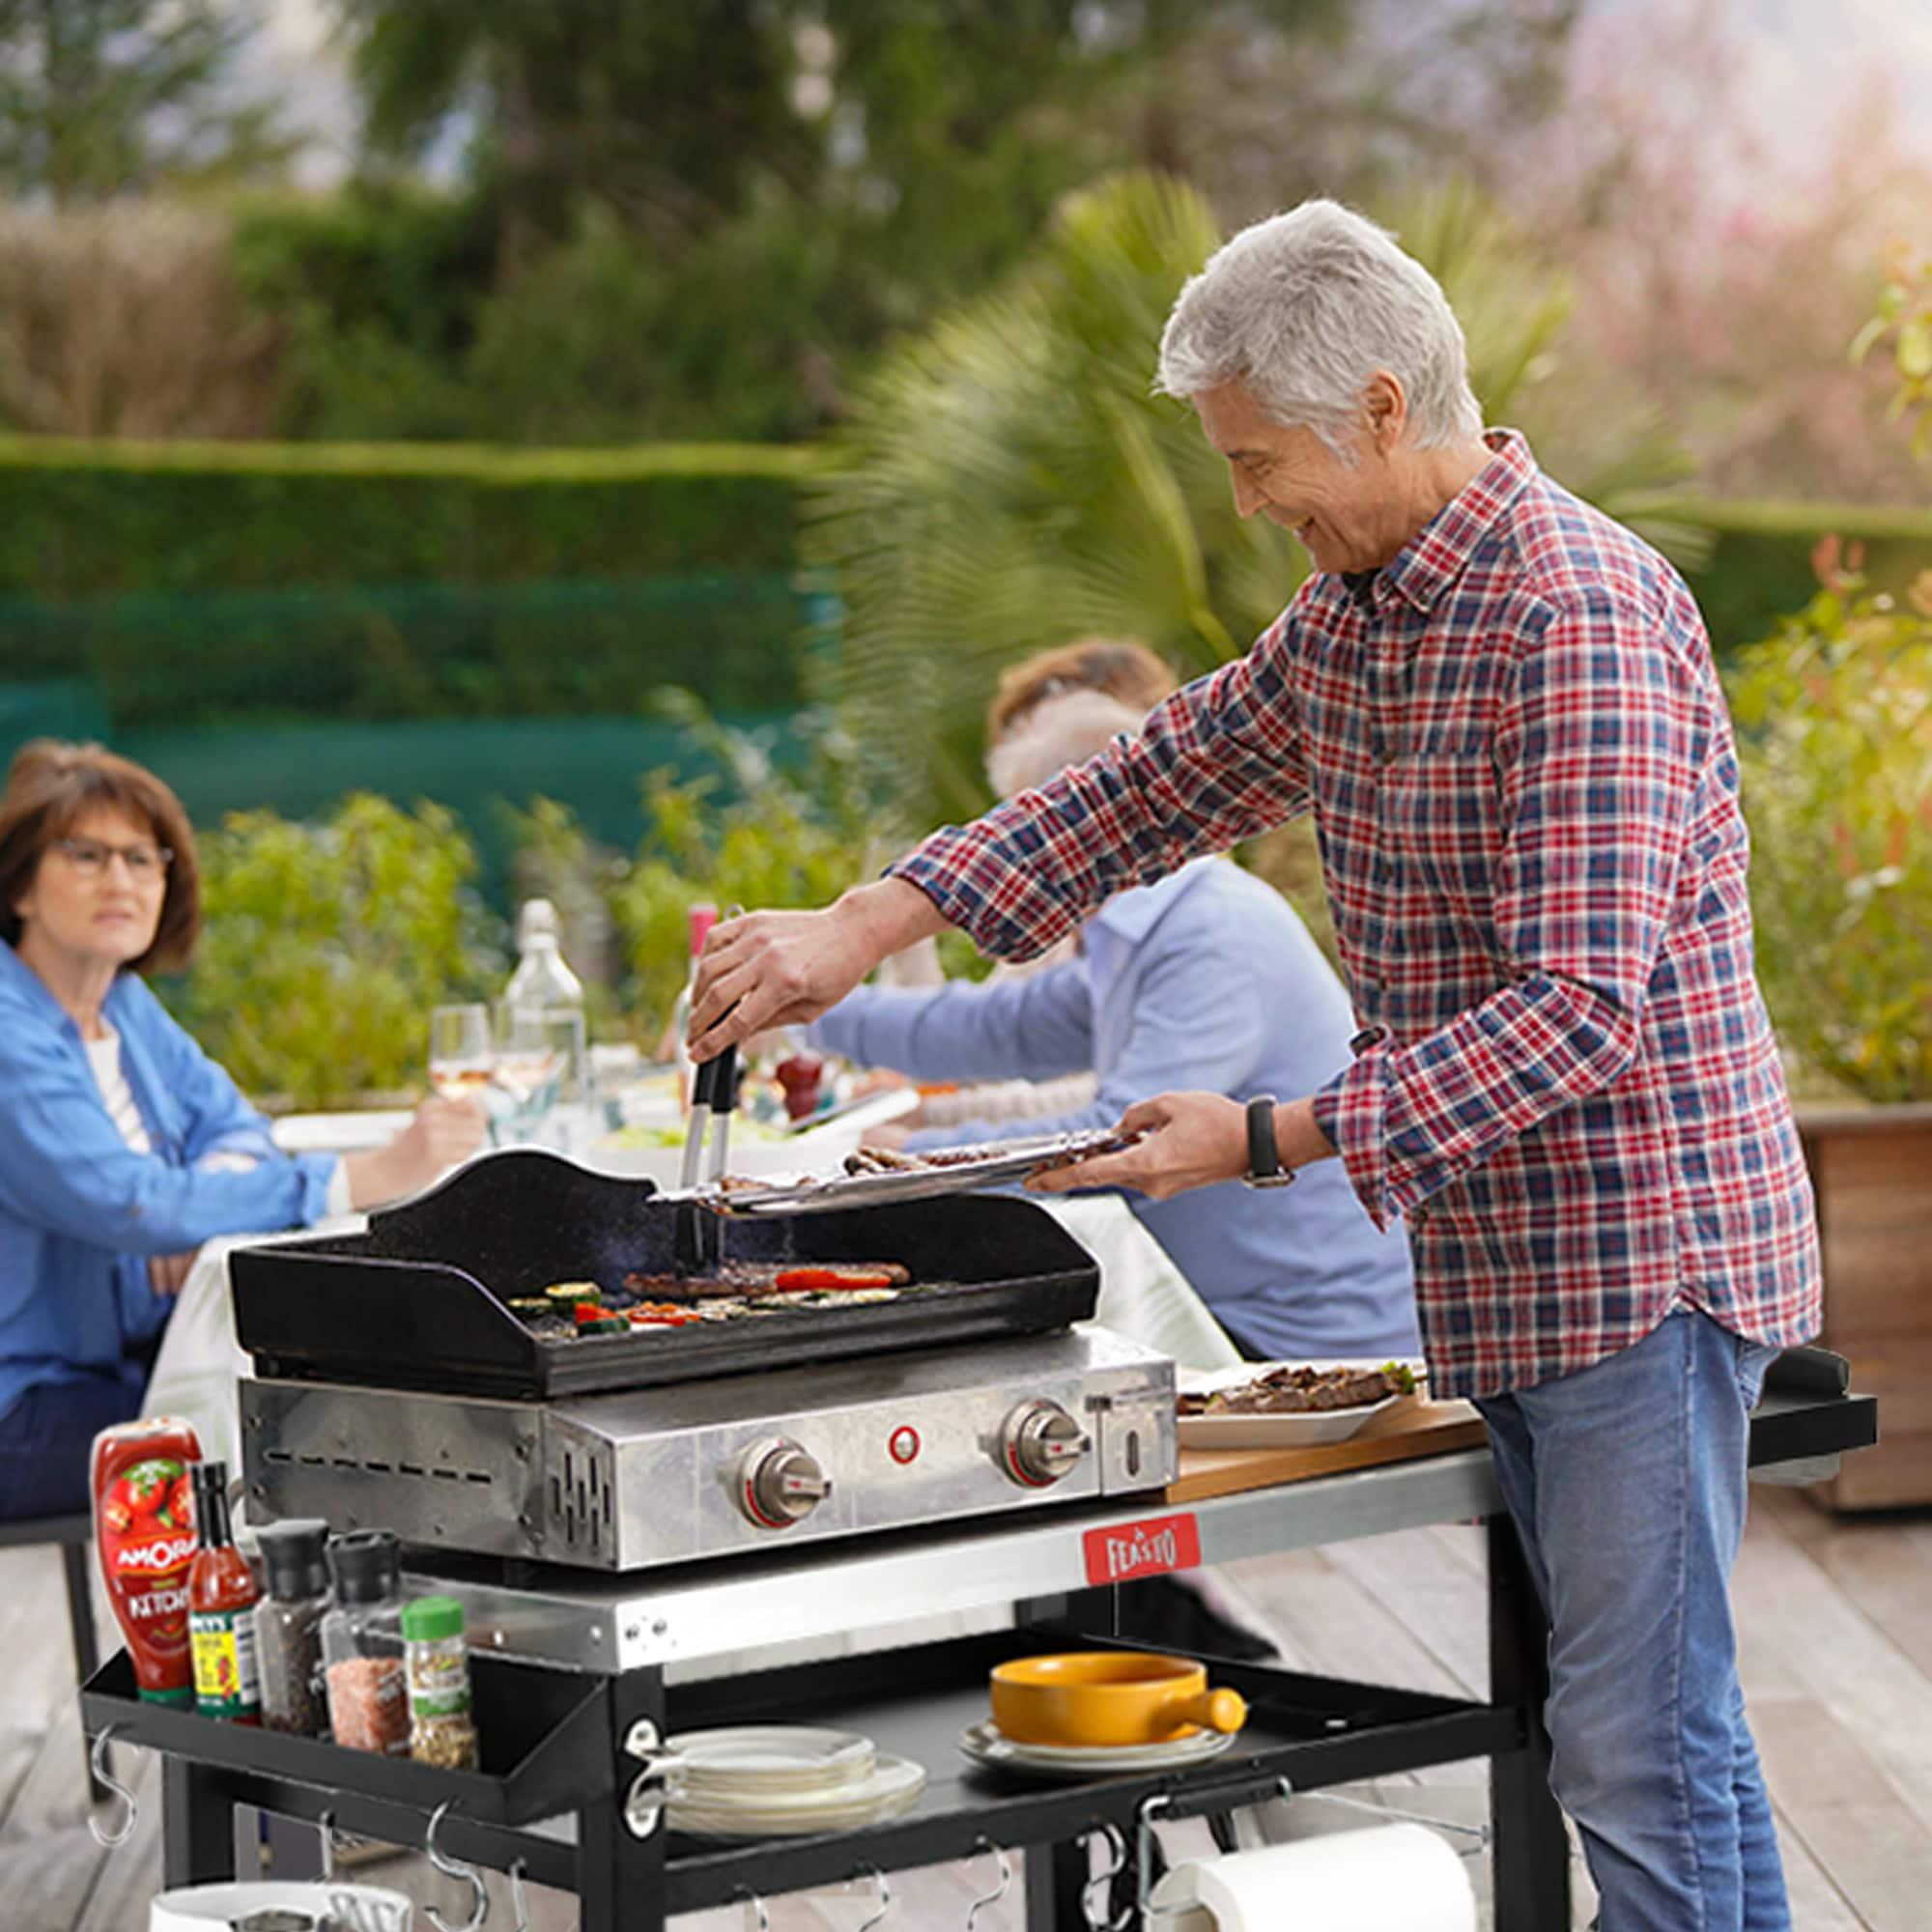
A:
(733, 1290)
(844, 1274)
(1301, 1391)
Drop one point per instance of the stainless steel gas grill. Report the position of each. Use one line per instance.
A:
(396, 1387)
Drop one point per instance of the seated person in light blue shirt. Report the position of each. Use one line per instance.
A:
(123, 1147)
(1205, 980)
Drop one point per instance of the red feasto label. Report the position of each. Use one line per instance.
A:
(1149, 1548)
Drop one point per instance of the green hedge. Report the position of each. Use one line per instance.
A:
(1760, 565)
(81, 518)
(424, 650)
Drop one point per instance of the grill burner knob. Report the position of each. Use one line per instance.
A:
(779, 1484)
(1039, 1443)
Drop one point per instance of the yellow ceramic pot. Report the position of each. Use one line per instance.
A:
(1109, 1697)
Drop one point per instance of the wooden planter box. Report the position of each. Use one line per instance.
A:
(1871, 1168)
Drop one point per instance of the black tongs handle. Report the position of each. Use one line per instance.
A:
(715, 1084)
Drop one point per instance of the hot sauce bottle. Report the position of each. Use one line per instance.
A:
(221, 1598)
(144, 1538)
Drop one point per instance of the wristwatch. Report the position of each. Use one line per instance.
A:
(1264, 1168)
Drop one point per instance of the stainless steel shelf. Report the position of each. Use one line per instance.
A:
(696, 1610)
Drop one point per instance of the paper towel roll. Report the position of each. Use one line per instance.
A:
(1390, 1878)
(202, 1908)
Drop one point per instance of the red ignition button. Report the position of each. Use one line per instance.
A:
(902, 1445)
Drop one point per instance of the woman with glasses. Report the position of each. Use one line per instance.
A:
(123, 1147)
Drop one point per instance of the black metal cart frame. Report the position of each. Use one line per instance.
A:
(576, 1744)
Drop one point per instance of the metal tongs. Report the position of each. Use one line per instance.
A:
(714, 1093)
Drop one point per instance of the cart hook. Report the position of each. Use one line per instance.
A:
(518, 1903)
(1099, 1914)
(879, 1879)
(1000, 1891)
(763, 1918)
(479, 1897)
(105, 1779)
(326, 1826)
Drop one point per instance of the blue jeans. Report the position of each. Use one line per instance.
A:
(1627, 1484)
(46, 1442)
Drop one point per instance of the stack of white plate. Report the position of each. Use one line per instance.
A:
(776, 1780)
(985, 1743)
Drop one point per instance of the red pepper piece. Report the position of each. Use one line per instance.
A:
(788, 1279)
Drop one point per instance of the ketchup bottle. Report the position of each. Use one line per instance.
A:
(221, 1597)
(143, 1537)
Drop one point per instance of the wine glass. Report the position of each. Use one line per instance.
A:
(461, 1058)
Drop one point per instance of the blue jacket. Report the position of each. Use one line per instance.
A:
(1205, 980)
(81, 1211)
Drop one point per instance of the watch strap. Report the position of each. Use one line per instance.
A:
(1264, 1153)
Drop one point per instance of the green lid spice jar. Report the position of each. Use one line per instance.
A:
(442, 1732)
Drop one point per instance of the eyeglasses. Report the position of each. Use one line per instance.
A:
(147, 864)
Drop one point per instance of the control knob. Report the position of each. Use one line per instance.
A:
(1039, 1443)
(779, 1483)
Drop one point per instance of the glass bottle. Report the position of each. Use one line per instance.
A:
(443, 1731)
(288, 1626)
(363, 1644)
(542, 1010)
(221, 1594)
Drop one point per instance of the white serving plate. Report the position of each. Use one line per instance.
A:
(893, 1786)
(985, 1743)
(1293, 1430)
(736, 1762)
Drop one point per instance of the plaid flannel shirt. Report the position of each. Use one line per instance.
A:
(1525, 785)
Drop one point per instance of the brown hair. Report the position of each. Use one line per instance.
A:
(1122, 666)
(48, 789)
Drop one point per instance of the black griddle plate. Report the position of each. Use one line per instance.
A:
(417, 1300)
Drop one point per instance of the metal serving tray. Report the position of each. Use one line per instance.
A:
(1012, 1160)
(417, 1300)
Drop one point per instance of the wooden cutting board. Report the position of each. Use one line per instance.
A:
(1403, 1431)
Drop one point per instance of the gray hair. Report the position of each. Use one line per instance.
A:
(1302, 309)
(1066, 729)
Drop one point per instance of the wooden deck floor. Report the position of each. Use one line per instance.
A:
(1835, 1623)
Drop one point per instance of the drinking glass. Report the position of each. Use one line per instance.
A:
(461, 1057)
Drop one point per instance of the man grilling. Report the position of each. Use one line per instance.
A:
(1502, 709)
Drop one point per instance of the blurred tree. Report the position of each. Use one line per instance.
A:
(103, 97)
(664, 113)
(1010, 482)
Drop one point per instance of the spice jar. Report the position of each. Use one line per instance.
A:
(363, 1644)
(288, 1626)
(442, 1732)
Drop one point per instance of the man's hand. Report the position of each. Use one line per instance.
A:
(166, 1273)
(772, 968)
(1188, 1140)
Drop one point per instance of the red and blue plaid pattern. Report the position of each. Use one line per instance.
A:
(1517, 752)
